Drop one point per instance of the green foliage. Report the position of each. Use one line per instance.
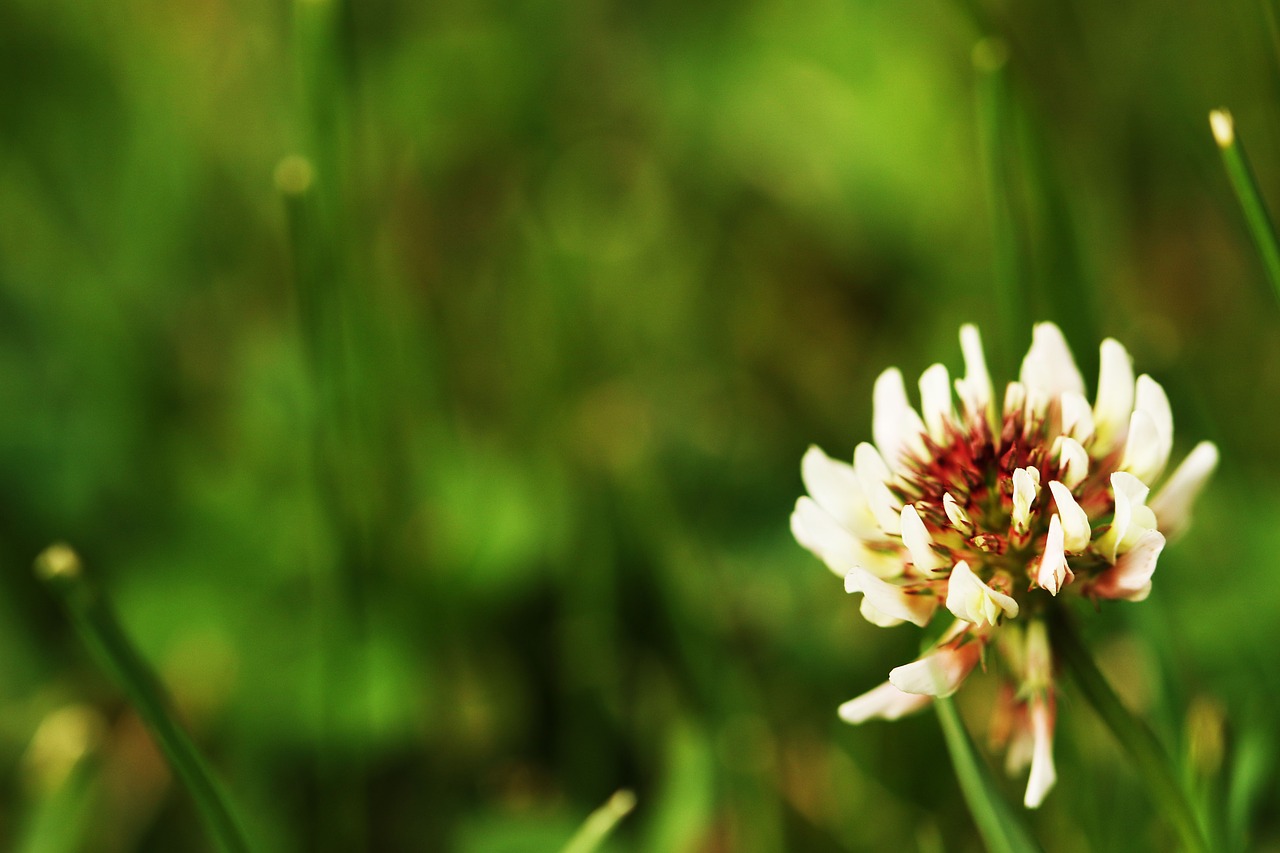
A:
(459, 502)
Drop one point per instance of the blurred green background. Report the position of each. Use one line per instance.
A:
(450, 493)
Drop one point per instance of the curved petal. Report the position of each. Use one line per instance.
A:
(895, 426)
(1026, 486)
(1075, 522)
(815, 529)
(836, 488)
(1048, 366)
(1172, 504)
(885, 702)
(1054, 572)
(919, 543)
(874, 476)
(1142, 448)
(891, 600)
(978, 395)
(973, 601)
(1115, 397)
(1073, 461)
(1077, 417)
(935, 401)
(939, 673)
(1043, 775)
(1130, 577)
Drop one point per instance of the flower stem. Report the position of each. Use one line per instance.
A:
(1001, 827)
(60, 569)
(1245, 185)
(1134, 735)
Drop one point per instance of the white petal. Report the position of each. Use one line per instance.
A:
(891, 600)
(1054, 572)
(1172, 504)
(874, 477)
(918, 541)
(885, 702)
(821, 534)
(956, 515)
(836, 488)
(1115, 398)
(1130, 577)
(1026, 486)
(895, 426)
(1077, 417)
(1142, 448)
(1043, 774)
(1073, 461)
(1048, 366)
(875, 616)
(1132, 517)
(935, 401)
(978, 393)
(939, 673)
(1151, 399)
(1015, 398)
(973, 601)
(1075, 522)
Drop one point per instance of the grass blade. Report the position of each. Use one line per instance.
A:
(60, 569)
(1245, 185)
(1134, 735)
(596, 828)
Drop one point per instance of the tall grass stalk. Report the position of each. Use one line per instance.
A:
(60, 569)
(1134, 735)
(600, 823)
(1244, 183)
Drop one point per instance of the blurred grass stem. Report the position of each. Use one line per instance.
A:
(60, 569)
(1001, 827)
(1245, 185)
(596, 828)
(991, 62)
(1134, 735)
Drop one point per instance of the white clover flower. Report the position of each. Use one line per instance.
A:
(991, 512)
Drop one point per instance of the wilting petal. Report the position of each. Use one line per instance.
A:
(939, 673)
(874, 477)
(1115, 398)
(935, 401)
(885, 702)
(1172, 504)
(1048, 366)
(1026, 485)
(973, 601)
(1043, 775)
(1133, 518)
(1077, 417)
(895, 426)
(918, 542)
(1054, 571)
(1130, 577)
(836, 488)
(1075, 522)
(890, 599)
(1073, 461)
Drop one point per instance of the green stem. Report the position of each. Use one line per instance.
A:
(596, 828)
(59, 567)
(991, 62)
(1001, 827)
(1133, 734)
(1245, 185)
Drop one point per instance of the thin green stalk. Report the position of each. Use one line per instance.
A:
(991, 62)
(1001, 827)
(1133, 734)
(1245, 185)
(596, 828)
(60, 569)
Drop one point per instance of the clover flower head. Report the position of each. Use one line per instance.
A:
(990, 509)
